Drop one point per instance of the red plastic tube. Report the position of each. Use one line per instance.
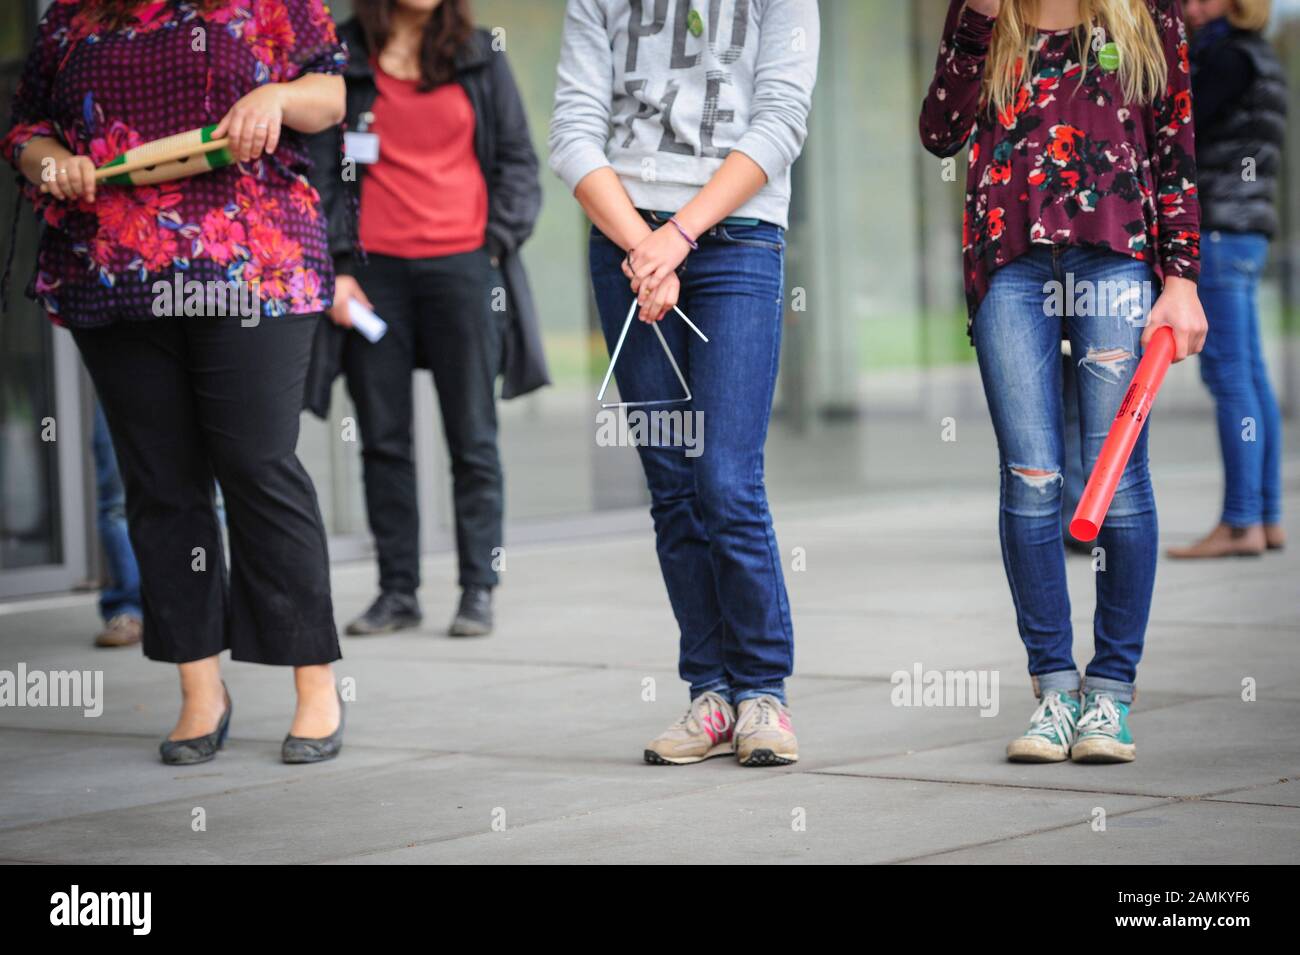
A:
(1124, 431)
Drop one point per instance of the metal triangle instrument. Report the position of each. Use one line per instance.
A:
(618, 349)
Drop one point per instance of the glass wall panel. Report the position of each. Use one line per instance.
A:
(30, 524)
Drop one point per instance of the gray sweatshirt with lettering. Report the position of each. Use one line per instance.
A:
(664, 90)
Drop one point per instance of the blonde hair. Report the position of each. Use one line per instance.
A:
(1250, 15)
(1143, 70)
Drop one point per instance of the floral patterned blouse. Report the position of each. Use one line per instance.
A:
(172, 69)
(1067, 164)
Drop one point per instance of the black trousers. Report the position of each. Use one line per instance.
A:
(190, 401)
(440, 310)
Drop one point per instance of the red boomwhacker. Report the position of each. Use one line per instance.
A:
(1124, 431)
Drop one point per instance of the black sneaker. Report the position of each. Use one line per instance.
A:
(390, 612)
(474, 615)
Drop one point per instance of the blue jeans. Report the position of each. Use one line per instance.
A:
(713, 531)
(1232, 367)
(1018, 346)
(122, 595)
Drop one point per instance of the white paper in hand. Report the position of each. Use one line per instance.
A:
(370, 325)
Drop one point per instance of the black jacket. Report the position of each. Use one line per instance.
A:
(1240, 103)
(505, 154)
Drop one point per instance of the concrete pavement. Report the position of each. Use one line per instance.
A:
(526, 746)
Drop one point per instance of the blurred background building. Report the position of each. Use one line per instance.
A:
(875, 353)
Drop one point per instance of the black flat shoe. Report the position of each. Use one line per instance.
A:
(474, 615)
(200, 749)
(300, 749)
(389, 613)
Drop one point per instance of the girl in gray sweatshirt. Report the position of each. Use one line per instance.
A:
(676, 124)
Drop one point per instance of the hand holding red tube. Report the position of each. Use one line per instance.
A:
(1124, 431)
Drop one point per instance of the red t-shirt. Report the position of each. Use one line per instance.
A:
(426, 196)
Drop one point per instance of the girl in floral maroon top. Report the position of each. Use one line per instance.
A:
(1080, 202)
(1068, 160)
(200, 395)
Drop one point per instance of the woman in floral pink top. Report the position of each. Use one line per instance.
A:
(1081, 223)
(194, 303)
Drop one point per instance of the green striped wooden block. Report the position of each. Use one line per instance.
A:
(173, 157)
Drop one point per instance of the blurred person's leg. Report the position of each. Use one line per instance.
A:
(379, 377)
(462, 336)
(1230, 268)
(1271, 434)
(119, 601)
(681, 541)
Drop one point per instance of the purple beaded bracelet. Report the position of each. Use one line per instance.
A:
(689, 241)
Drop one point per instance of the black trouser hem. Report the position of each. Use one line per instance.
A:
(324, 636)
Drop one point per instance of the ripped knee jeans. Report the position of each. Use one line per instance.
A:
(1097, 301)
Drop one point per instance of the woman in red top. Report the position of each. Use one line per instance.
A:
(1081, 221)
(438, 190)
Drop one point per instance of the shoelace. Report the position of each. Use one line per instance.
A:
(707, 712)
(764, 712)
(1102, 716)
(1052, 719)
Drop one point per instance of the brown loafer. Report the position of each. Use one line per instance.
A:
(1275, 537)
(123, 630)
(1224, 541)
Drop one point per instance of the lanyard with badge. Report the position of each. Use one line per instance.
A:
(361, 145)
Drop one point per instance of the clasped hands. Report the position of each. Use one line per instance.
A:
(651, 266)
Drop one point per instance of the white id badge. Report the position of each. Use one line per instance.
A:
(361, 147)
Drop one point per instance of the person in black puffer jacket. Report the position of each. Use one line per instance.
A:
(1239, 105)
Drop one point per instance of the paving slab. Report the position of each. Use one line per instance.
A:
(1284, 792)
(321, 816)
(1185, 833)
(1195, 748)
(786, 818)
(60, 775)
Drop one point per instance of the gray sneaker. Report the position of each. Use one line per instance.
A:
(764, 733)
(704, 732)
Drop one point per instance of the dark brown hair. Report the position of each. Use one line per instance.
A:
(113, 14)
(448, 30)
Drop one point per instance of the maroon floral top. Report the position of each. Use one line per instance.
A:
(1067, 164)
(173, 69)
